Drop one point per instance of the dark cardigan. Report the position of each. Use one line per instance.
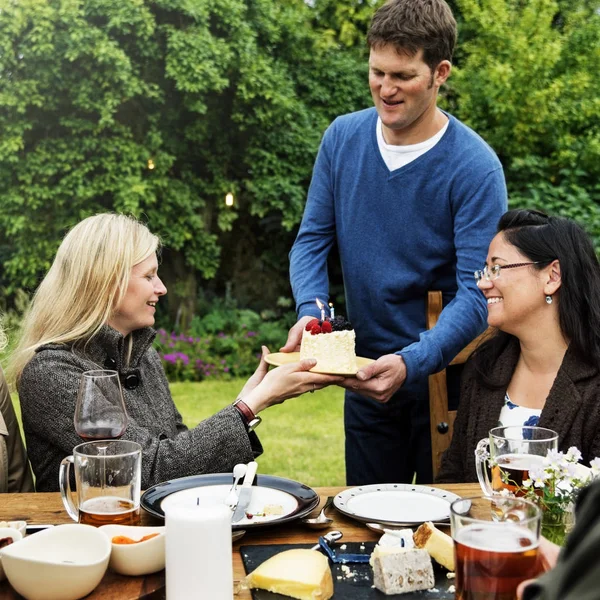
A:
(48, 393)
(572, 409)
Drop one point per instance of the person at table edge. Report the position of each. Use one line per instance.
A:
(411, 196)
(15, 473)
(95, 309)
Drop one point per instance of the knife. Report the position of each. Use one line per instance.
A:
(245, 493)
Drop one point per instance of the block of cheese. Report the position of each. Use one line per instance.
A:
(301, 574)
(439, 545)
(401, 570)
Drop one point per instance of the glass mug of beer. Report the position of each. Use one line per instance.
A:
(495, 546)
(108, 477)
(513, 451)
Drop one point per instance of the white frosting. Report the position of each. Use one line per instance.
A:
(334, 351)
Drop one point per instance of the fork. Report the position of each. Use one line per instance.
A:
(232, 497)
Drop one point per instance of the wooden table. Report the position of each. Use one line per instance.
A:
(48, 508)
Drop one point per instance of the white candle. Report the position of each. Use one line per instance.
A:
(331, 311)
(198, 553)
(322, 307)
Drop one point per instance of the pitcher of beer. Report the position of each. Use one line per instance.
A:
(495, 546)
(108, 477)
(513, 451)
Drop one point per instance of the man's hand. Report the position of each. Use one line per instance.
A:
(379, 380)
(295, 336)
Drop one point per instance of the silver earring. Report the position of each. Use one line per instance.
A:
(548, 299)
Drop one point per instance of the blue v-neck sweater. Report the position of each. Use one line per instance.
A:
(425, 226)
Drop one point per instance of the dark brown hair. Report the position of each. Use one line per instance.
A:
(412, 25)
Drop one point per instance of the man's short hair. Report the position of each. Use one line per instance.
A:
(412, 25)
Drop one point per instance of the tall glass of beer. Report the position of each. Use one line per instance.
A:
(513, 451)
(108, 477)
(495, 546)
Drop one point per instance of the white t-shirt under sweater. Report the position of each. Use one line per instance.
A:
(398, 156)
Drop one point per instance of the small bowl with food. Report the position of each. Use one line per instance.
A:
(20, 526)
(8, 535)
(136, 550)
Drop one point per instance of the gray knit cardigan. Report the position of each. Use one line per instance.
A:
(572, 409)
(48, 393)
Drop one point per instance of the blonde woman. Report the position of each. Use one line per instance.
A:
(95, 309)
(15, 474)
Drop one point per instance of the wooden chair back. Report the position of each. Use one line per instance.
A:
(442, 419)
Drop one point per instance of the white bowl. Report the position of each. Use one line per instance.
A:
(140, 558)
(15, 535)
(61, 563)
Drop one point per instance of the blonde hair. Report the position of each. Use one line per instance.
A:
(87, 280)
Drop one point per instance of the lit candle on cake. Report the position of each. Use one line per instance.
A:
(331, 311)
(322, 308)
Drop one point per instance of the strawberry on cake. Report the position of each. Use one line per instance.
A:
(331, 342)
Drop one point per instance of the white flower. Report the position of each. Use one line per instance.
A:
(595, 464)
(573, 454)
(554, 461)
(527, 483)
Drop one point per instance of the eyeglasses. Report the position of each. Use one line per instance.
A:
(494, 272)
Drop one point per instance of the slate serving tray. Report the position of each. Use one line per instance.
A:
(357, 587)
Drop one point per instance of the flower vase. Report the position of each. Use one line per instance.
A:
(557, 523)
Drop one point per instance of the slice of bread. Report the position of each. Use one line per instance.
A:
(439, 545)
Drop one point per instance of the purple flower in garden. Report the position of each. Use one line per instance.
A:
(170, 358)
(173, 335)
(226, 370)
(223, 361)
(221, 334)
(185, 359)
(251, 334)
(172, 345)
(191, 339)
(161, 331)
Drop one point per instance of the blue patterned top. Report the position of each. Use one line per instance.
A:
(513, 414)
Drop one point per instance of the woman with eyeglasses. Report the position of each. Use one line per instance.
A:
(542, 367)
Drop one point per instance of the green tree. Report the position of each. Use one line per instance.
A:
(159, 109)
(528, 81)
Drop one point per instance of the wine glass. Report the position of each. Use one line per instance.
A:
(100, 411)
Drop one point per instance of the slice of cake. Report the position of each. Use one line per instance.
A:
(298, 573)
(332, 343)
(400, 570)
(439, 544)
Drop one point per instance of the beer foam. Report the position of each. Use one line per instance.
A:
(522, 462)
(506, 537)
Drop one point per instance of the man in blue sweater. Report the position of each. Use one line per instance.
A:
(412, 196)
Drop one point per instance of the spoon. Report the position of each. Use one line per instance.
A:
(322, 521)
(238, 472)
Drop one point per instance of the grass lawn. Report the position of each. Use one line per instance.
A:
(303, 438)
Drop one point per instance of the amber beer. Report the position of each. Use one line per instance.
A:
(514, 470)
(493, 559)
(109, 510)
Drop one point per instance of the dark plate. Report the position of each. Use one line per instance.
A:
(306, 497)
(353, 583)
